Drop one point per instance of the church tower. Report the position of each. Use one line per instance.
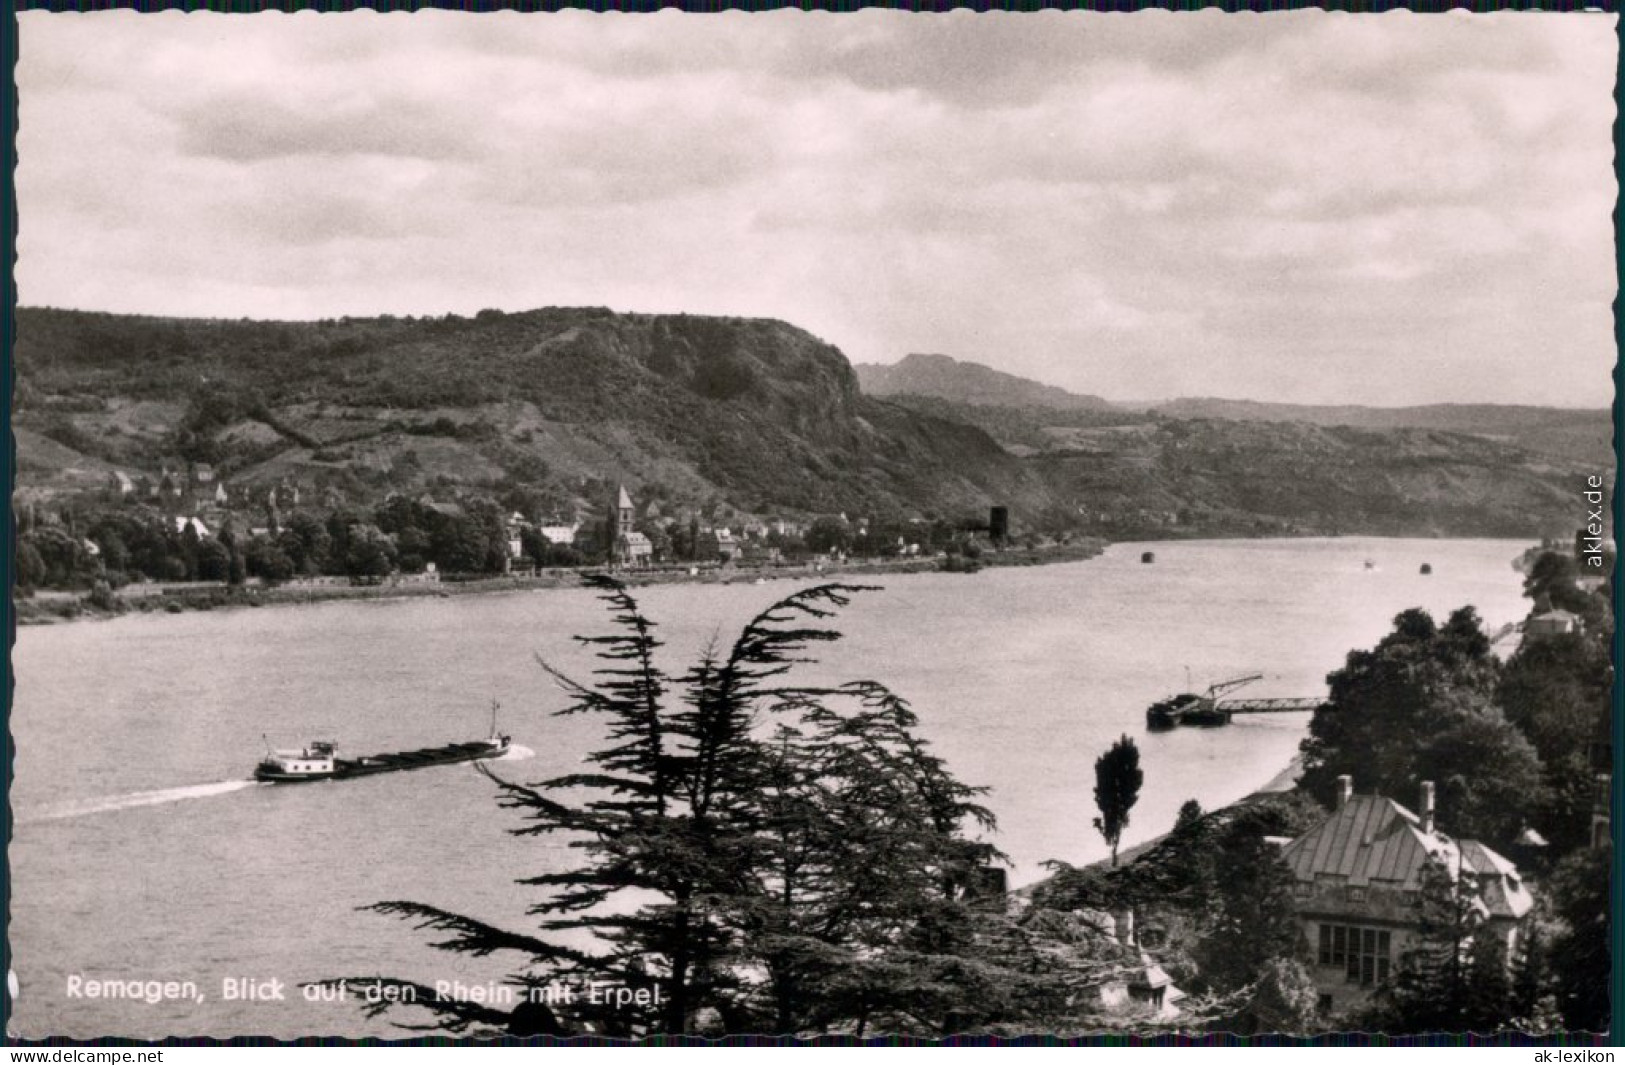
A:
(618, 527)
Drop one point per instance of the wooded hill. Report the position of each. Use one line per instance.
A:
(754, 414)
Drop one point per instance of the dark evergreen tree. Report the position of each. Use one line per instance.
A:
(1117, 788)
(1458, 977)
(1251, 921)
(758, 855)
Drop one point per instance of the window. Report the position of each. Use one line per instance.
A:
(1364, 954)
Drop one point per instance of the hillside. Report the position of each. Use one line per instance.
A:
(941, 377)
(1217, 477)
(756, 416)
(1586, 435)
(1023, 430)
(754, 412)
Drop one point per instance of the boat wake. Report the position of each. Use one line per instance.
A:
(109, 803)
(515, 753)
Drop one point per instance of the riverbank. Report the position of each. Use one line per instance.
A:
(1281, 783)
(1284, 781)
(54, 608)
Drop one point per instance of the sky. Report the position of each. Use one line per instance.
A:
(1301, 207)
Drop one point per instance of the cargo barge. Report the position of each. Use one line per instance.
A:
(319, 760)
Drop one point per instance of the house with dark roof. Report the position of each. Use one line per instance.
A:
(1357, 890)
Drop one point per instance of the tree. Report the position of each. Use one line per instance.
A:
(1551, 581)
(307, 543)
(1117, 789)
(1458, 977)
(1190, 812)
(1420, 706)
(1250, 921)
(31, 569)
(460, 543)
(829, 533)
(1223, 899)
(758, 854)
(1580, 958)
(213, 559)
(56, 558)
(264, 559)
(1284, 1001)
(1557, 691)
(237, 565)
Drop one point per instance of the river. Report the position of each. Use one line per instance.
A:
(140, 852)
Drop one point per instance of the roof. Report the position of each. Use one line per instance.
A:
(1375, 840)
(1555, 615)
(623, 500)
(1151, 975)
(1477, 858)
(1370, 838)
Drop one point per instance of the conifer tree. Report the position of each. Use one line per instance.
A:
(1458, 978)
(1117, 789)
(766, 855)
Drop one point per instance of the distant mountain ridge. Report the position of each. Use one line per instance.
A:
(968, 382)
(965, 390)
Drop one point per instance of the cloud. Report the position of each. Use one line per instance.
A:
(1294, 206)
(244, 127)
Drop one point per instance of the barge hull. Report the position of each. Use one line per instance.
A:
(429, 756)
(371, 765)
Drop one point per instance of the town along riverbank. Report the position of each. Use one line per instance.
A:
(51, 607)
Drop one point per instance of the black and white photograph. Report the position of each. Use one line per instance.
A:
(865, 526)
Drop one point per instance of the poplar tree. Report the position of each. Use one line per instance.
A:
(1117, 789)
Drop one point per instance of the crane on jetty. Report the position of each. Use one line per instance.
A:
(1208, 710)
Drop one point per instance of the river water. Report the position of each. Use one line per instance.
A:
(141, 852)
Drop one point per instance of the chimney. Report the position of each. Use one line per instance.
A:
(1426, 810)
(1345, 790)
(1123, 926)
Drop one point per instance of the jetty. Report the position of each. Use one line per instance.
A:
(1208, 710)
